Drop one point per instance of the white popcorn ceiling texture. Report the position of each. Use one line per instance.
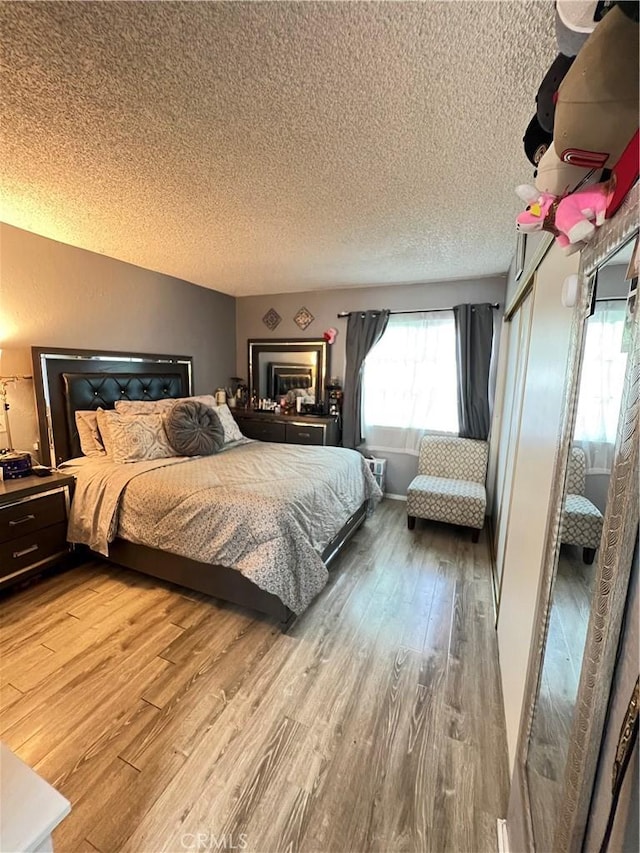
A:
(269, 147)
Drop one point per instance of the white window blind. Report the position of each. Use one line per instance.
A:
(409, 382)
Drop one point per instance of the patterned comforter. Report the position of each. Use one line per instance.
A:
(267, 510)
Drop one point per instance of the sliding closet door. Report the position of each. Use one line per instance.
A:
(535, 447)
(517, 355)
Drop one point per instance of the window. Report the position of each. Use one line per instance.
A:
(410, 383)
(601, 384)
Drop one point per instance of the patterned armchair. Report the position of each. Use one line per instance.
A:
(581, 520)
(450, 485)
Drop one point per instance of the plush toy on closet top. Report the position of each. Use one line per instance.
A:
(571, 219)
(587, 117)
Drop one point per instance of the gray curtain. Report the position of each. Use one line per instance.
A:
(474, 342)
(364, 329)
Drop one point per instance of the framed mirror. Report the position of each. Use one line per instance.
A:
(590, 542)
(279, 366)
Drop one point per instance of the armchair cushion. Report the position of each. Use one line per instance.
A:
(453, 457)
(581, 522)
(443, 499)
(576, 476)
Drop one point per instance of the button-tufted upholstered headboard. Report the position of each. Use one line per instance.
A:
(66, 381)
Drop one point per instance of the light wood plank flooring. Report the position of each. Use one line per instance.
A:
(173, 722)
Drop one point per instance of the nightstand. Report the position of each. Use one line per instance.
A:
(33, 525)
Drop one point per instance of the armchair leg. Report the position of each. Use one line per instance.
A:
(475, 534)
(588, 555)
(411, 522)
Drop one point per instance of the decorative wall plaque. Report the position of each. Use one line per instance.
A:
(303, 318)
(272, 319)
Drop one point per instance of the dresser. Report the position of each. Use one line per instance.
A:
(288, 429)
(33, 525)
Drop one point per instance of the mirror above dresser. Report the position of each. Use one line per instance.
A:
(295, 369)
(279, 366)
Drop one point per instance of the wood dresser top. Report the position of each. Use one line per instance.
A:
(292, 418)
(31, 485)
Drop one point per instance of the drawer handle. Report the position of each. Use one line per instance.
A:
(304, 434)
(25, 551)
(21, 520)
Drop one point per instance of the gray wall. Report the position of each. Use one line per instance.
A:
(58, 296)
(325, 304)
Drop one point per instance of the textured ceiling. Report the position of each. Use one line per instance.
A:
(266, 147)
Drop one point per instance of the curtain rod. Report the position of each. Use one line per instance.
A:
(494, 305)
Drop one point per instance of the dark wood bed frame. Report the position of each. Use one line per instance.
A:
(66, 380)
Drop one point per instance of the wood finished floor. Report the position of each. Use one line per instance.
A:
(376, 724)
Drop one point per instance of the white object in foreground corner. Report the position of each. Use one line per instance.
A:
(570, 291)
(503, 838)
(30, 809)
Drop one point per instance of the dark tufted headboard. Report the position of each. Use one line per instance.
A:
(67, 381)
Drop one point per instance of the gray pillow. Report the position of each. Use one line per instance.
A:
(194, 429)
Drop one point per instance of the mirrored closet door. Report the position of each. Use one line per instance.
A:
(591, 456)
(592, 532)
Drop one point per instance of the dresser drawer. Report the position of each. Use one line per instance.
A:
(304, 434)
(261, 430)
(22, 518)
(36, 547)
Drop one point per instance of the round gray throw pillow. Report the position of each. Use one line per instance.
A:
(194, 429)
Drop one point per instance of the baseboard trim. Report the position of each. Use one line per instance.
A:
(503, 838)
(395, 497)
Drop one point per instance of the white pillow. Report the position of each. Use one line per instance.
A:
(90, 438)
(229, 425)
(140, 407)
(145, 407)
(132, 438)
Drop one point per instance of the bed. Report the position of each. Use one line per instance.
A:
(67, 381)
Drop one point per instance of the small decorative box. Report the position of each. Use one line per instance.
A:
(15, 465)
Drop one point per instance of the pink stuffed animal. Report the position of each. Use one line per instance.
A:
(569, 218)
